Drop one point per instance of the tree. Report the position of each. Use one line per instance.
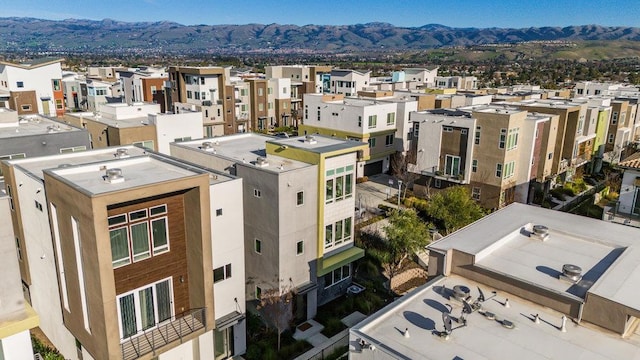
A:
(405, 234)
(276, 306)
(400, 168)
(454, 208)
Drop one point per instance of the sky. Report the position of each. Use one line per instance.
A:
(409, 13)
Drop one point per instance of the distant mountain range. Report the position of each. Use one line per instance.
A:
(169, 37)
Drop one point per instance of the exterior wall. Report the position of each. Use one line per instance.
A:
(17, 347)
(44, 144)
(129, 135)
(259, 106)
(24, 102)
(628, 191)
(169, 127)
(38, 83)
(605, 313)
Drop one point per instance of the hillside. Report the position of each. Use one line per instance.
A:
(29, 34)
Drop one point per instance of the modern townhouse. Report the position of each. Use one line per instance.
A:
(208, 90)
(457, 82)
(627, 209)
(100, 92)
(522, 283)
(144, 85)
(74, 88)
(567, 155)
(138, 124)
(364, 120)
(33, 87)
(621, 127)
(596, 127)
(406, 79)
(499, 153)
(314, 78)
(349, 82)
(117, 254)
(35, 135)
(299, 196)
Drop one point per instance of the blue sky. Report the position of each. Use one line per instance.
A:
(455, 13)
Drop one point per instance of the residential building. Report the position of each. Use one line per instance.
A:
(298, 198)
(349, 82)
(621, 125)
(147, 224)
(17, 317)
(144, 85)
(586, 88)
(406, 79)
(35, 135)
(596, 124)
(138, 124)
(101, 92)
(207, 89)
(33, 87)
(627, 209)
(314, 78)
(457, 82)
(74, 87)
(499, 153)
(514, 285)
(363, 120)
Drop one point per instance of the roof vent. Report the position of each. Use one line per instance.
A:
(114, 175)
(122, 153)
(310, 139)
(261, 162)
(207, 146)
(571, 273)
(461, 292)
(540, 232)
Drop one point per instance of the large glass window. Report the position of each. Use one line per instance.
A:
(452, 165)
(337, 233)
(144, 308)
(329, 190)
(138, 235)
(337, 275)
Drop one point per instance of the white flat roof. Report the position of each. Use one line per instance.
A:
(421, 313)
(608, 253)
(35, 125)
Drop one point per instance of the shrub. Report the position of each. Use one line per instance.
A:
(332, 327)
(47, 352)
(612, 195)
(558, 193)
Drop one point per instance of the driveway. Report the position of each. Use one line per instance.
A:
(374, 192)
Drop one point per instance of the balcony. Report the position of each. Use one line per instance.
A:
(438, 174)
(185, 325)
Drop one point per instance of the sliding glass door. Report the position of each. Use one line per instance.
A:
(145, 308)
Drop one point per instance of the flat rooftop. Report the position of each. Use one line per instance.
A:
(145, 167)
(421, 312)
(119, 123)
(35, 125)
(609, 254)
(320, 144)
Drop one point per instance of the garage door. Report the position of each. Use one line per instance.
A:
(373, 168)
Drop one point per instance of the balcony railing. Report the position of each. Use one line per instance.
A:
(175, 329)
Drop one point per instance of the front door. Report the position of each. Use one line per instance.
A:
(45, 107)
(223, 346)
(300, 308)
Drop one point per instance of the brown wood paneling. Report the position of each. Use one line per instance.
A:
(172, 263)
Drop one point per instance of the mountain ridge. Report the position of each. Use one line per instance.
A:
(33, 34)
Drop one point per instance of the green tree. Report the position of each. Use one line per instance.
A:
(453, 208)
(406, 233)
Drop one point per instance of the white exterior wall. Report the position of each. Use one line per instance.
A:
(478, 100)
(17, 346)
(210, 83)
(172, 126)
(44, 291)
(627, 190)
(37, 78)
(404, 125)
(125, 111)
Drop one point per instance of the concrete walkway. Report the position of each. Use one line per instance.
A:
(310, 331)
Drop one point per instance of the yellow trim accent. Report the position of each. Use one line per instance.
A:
(326, 265)
(22, 322)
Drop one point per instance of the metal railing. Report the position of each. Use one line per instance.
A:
(175, 329)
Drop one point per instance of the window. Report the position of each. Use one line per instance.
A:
(257, 193)
(260, 92)
(300, 198)
(359, 121)
(284, 90)
(464, 131)
(260, 107)
(337, 276)
(138, 235)
(512, 139)
(77, 244)
(148, 144)
(499, 170)
(475, 193)
(20, 84)
(503, 138)
(38, 205)
(59, 105)
(474, 165)
(201, 80)
(145, 308)
(25, 107)
(372, 142)
(218, 212)
(550, 155)
(614, 118)
(509, 169)
(452, 165)
(438, 183)
(318, 115)
(186, 138)
(269, 91)
(447, 129)
(269, 105)
(329, 191)
(197, 95)
(257, 246)
(580, 91)
(388, 140)
(300, 247)
(611, 138)
(258, 292)
(391, 118)
(9, 192)
(373, 120)
(18, 249)
(337, 233)
(72, 149)
(189, 94)
(221, 273)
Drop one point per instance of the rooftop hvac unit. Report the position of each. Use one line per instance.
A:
(207, 146)
(114, 175)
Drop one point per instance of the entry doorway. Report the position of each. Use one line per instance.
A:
(223, 347)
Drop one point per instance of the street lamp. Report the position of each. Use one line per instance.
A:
(399, 192)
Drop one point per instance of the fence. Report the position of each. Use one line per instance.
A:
(328, 347)
(573, 203)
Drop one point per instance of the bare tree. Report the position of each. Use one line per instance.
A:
(276, 306)
(399, 167)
